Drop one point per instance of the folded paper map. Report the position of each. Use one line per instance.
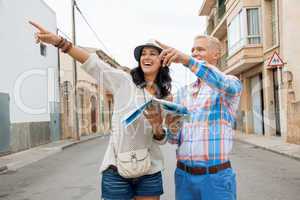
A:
(166, 106)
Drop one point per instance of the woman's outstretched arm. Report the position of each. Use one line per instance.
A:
(45, 36)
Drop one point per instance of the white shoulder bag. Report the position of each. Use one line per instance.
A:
(134, 164)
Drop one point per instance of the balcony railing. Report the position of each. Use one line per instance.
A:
(216, 17)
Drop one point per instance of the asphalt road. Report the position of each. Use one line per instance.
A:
(73, 175)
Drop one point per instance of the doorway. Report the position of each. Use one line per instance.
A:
(93, 114)
(4, 123)
(276, 101)
(257, 104)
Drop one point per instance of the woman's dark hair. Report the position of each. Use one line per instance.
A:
(162, 81)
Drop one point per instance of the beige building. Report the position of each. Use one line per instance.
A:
(251, 31)
(94, 102)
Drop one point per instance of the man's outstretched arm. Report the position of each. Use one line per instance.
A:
(226, 84)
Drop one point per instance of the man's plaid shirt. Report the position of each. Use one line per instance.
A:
(206, 139)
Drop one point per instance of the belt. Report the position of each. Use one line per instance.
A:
(114, 168)
(203, 170)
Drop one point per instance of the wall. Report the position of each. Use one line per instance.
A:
(289, 36)
(87, 87)
(22, 55)
(28, 135)
(30, 79)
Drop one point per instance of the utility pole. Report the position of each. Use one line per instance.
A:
(77, 135)
(59, 86)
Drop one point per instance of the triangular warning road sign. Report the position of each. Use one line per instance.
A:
(275, 61)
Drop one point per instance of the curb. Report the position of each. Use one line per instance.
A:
(82, 141)
(269, 149)
(4, 169)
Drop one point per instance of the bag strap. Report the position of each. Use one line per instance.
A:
(148, 145)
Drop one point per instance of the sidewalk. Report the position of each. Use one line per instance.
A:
(274, 144)
(15, 161)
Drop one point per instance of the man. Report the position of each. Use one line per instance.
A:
(205, 141)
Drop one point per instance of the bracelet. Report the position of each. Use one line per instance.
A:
(64, 45)
(60, 42)
(67, 47)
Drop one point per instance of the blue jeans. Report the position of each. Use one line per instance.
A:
(115, 187)
(219, 186)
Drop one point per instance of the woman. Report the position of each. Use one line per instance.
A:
(130, 91)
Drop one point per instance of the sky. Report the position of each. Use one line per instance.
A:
(124, 24)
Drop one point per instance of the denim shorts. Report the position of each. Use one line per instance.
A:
(221, 185)
(115, 187)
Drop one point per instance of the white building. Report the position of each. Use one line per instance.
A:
(29, 73)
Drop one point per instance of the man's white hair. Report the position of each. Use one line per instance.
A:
(213, 42)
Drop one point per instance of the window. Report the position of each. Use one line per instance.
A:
(253, 26)
(221, 9)
(244, 29)
(43, 49)
(235, 33)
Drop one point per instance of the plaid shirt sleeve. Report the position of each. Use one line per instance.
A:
(173, 138)
(228, 85)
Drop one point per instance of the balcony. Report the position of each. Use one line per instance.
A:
(244, 59)
(220, 29)
(216, 21)
(206, 7)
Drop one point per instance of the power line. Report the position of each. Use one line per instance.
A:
(68, 37)
(93, 30)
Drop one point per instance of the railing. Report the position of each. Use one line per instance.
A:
(216, 17)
